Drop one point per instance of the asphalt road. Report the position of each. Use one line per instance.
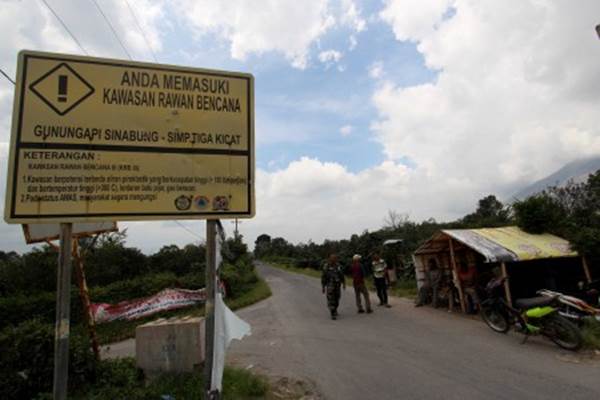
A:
(402, 352)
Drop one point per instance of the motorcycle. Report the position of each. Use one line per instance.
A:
(571, 307)
(530, 316)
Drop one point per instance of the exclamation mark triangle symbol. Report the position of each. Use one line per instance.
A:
(62, 88)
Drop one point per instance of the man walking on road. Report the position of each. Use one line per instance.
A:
(379, 267)
(359, 274)
(332, 278)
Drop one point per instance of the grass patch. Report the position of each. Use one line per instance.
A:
(591, 333)
(259, 291)
(406, 288)
(120, 379)
(304, 271)
(116, 331)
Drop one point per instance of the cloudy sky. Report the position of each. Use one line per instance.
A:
(420, 106)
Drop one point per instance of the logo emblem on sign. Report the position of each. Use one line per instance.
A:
(183, 203)
(221, 203)
(62, 89)
(201, 202)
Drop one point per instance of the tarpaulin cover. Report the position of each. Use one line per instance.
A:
(526, 245)
(506, 244)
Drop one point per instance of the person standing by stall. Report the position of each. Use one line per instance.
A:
(467, 274)
(379, 275)
(332, 278)
(359, 274)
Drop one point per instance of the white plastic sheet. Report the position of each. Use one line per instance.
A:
(228, 326)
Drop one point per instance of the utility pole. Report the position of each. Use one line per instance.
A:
(236, 232)
(209, 306)
(63, 313)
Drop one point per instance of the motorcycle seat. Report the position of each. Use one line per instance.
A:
(532, 302)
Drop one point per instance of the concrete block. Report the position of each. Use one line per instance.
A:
(170, 345)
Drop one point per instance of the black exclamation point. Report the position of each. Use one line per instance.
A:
(62, 88)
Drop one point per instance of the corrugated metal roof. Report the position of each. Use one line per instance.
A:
(506, 244)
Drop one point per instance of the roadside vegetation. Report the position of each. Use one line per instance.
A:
(591, 334)
(572, 212)
(120, 379)
(115, 273)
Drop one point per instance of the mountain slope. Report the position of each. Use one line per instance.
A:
(577, 171)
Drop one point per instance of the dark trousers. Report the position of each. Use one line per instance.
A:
(360, 289)
(381, 286)
(333, 297)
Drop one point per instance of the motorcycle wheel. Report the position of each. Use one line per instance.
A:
(495, 319)
(562, 332)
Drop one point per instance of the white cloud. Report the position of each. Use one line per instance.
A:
(414, 19)
(330, 56)
(351, 16)
(288, 27)
(376, 70)
(353, 42)
(516, 96)
(311, 199)
(150, 14)
(346, 130)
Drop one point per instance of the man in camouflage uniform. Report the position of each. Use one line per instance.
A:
(332, 278)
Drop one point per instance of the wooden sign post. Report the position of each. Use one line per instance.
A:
(209, 306)
(63, 311)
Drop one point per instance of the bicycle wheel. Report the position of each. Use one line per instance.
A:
(562, 332)
(495, 319)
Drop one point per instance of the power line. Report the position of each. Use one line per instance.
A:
(7, 77)
(65, 26)
(139, 26)
(112, 29)
(188, 230)
(124, 49)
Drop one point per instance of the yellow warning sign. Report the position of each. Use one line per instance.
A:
(97, 139)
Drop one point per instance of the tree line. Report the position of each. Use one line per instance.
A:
(571, 211)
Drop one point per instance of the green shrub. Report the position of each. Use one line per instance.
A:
(238, 277)
(241, 382)
(17, 308)
(111, 261)
(144, 286)
(120, 379)
(540, 214)
(591, 333)
(26, 365)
